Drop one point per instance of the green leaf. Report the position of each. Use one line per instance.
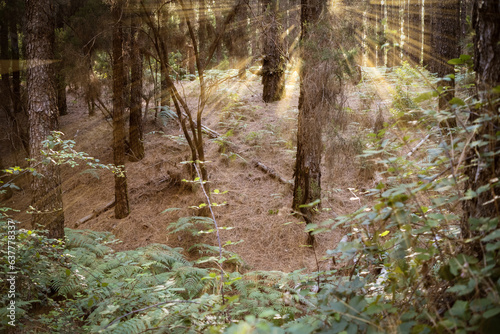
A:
(492, 236)
(383, 234)
(456, 61)
(491, 313)
(459, 308)
(457, 101)
(465, 57)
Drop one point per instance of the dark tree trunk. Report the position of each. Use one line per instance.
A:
(203, 29)
(242, 40)
(165, 93)
(121, 193)
(414, 42)
(62, 106)
(393, 27)
(16, 76)
(485, 168)
(14, 19)
(237, 41)
(60, 68)
(273, 66)
(135, 122)
(381, 39)
(43, 116)
(445, 45)
(4, 65)
(428, 35)
(307, 185)
(219, 21)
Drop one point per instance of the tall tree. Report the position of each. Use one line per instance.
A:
(4, 56)
(486, 162)
(121, 193)
(274, 65)
(163, 41)
(43, 115)
(14, 21)
(444, 45)
(135, 121)
(60, 68)
(414, 41)
(307, 186)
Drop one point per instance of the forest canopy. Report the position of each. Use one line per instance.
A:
(250, 166)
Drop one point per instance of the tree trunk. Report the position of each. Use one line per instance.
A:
(414, 42)
(14, 47)
(121, 192)
(379, 32)
(203, 31)
(135, 122)
(242, 39)
(429, 34)
(445, 45)
(4, 65)
(393, 29)
(43, 116)
(307, 183)
(485, 168)
(62, 106)
(274, 66)
(164, 94)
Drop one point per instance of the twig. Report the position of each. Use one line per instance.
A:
(418, 145)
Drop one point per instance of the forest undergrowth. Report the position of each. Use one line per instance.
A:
(389, 255)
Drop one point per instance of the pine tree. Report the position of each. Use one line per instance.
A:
(273, 67)
(43, 116)
(121, 193)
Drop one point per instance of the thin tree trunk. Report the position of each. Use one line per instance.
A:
(62, 105)
(16, 76)
(121, 193)
(165, 94)
(307, 183)
(135, 122)
(4, 55)
(273, 68)
(43, 116)
(414, 42)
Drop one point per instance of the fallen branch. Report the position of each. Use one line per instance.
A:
(95, 213)
(268, 170)
(418, 145)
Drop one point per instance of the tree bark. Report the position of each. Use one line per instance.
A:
(484, 167)
(414, 42)
(4, 65)
(121, 193)
(14, 59)
(273, 66)
(43, 116)
(445, 45)
(307, 183)
(164, 94)
(135, 121)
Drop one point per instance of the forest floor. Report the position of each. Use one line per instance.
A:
(258, 206)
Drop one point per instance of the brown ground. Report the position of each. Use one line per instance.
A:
(257, 205)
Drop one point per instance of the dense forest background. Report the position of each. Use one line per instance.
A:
(250, 166)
